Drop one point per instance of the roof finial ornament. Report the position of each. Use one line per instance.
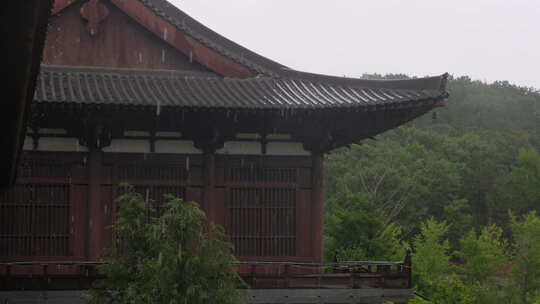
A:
(94, 12)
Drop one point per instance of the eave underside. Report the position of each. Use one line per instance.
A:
(319, 131)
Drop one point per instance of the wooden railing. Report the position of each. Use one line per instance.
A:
(79, 275)
(353, 274)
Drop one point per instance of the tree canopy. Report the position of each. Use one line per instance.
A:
(171, 259)
(457, 185)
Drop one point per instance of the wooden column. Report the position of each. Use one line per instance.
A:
(317, 207)
(209, 185)
(97, 217)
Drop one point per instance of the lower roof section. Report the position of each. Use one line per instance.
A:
(105, 86)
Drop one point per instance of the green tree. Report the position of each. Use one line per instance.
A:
(526, 175)
(483, 255)
(525, 275)
(167, 259)
(451, 290)
(355, 231)
(458, 212)
(404, 180)
(431, 255)
(431, 268)
(466, 164)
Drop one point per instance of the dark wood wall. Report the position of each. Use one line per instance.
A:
(64, 203)
(119, 41)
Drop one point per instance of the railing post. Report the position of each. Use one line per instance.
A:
(79, 270)
(407, 265)
(286, 276)
(45, 278)
(351, 280)
(253, 273)
(8, 276)
(336, 262)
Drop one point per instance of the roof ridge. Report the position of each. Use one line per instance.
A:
(252, 60)
(213, 39)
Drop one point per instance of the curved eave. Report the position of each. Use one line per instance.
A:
(130, 87)
(439, 82)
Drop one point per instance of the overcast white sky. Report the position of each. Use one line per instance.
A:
(485, 39)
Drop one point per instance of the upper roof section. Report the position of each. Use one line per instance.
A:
(86, 85)
(213, 40)
(217, 53)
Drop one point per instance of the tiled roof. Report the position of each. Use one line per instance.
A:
(88, 85)
(229, 48)
(213, 40)
(240, 54)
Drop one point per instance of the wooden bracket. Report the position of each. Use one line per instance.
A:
(94, 134)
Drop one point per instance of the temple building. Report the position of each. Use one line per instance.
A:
(138, 92)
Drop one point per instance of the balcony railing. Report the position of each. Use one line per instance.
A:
(79, 275)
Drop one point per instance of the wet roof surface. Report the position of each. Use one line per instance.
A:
(89, 85)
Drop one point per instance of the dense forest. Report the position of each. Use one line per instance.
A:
(460, 186)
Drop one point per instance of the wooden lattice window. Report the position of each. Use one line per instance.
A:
(35, 221)
(262, 221)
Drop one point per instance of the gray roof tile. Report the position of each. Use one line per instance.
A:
(90, 85)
